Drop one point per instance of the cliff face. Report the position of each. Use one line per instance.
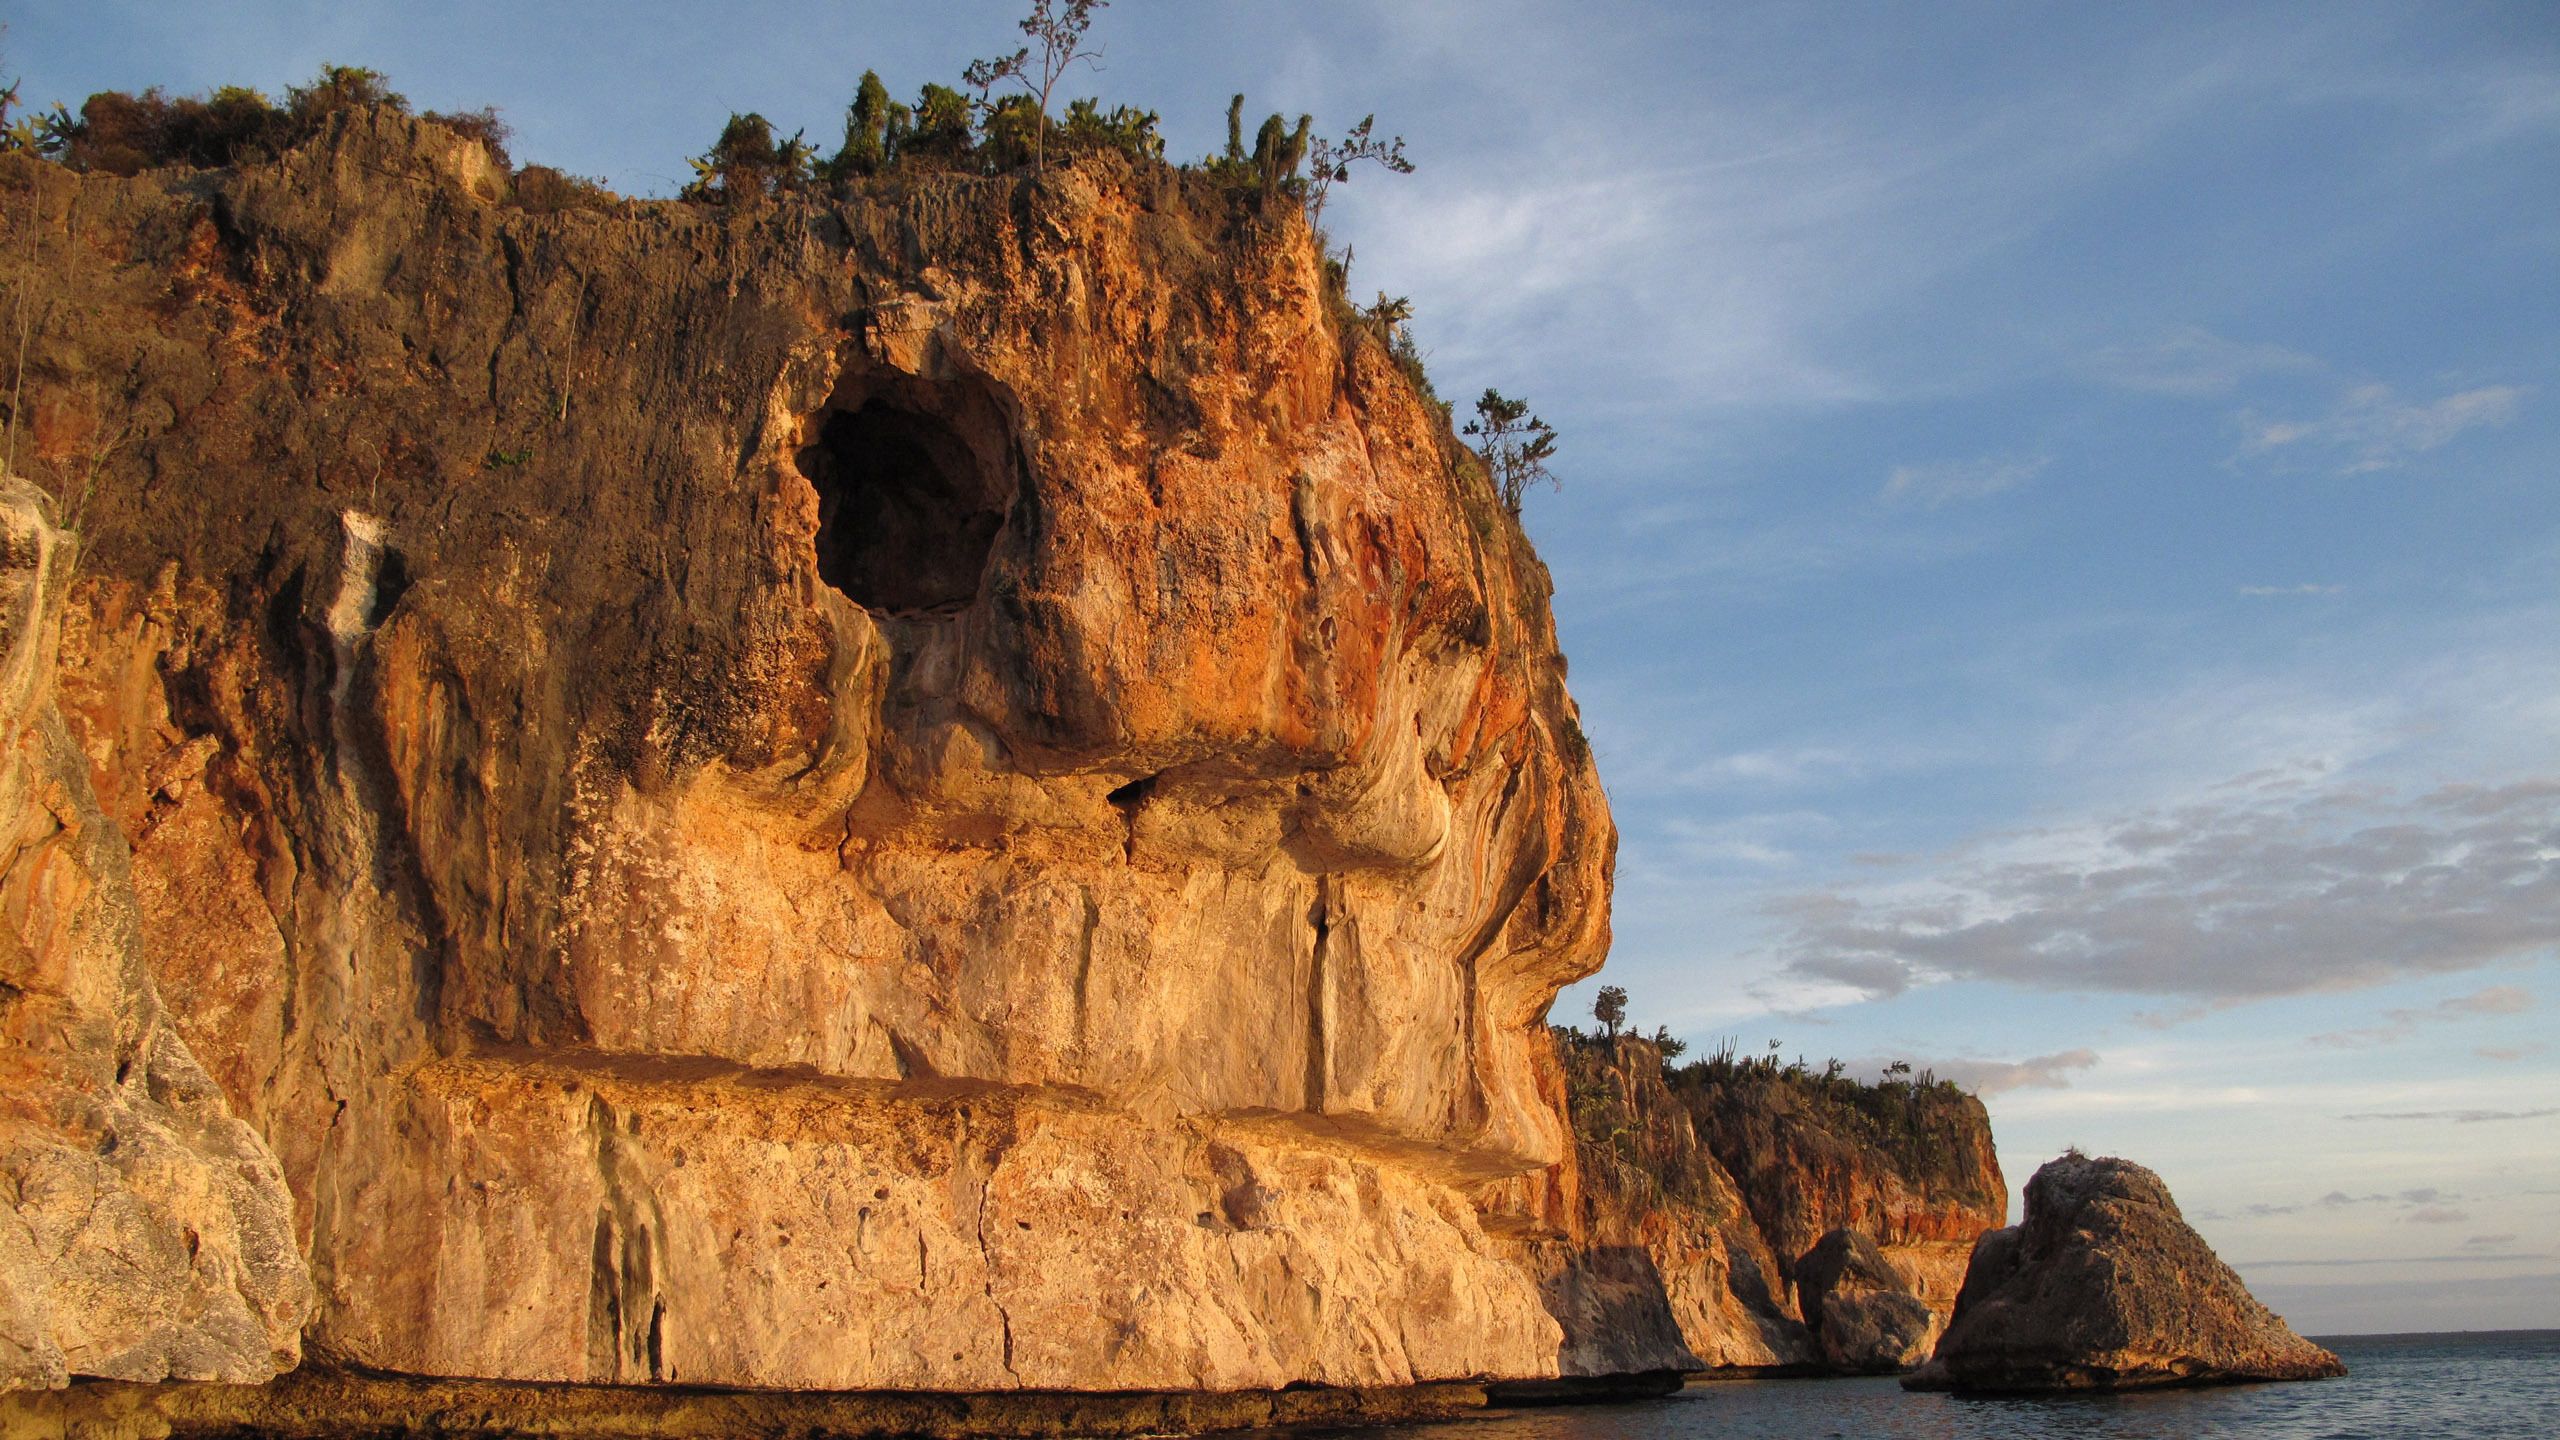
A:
(1716, 1214)
(1911, 1167)
(951, 791)
(147, 1234)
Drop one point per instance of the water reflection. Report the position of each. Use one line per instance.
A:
(2400, 1388)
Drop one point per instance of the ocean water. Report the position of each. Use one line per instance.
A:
(2422, 1387)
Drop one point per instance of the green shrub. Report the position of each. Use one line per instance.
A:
(942, 126)
(872, 124)
(545, 191)
(340, 88)
(121, 134)
(1515, 446)
(747, 164)
(117, 133)
(1088, 128)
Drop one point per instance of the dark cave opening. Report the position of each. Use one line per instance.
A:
(913, 483)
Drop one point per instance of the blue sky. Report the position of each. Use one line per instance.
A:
(2060, 534)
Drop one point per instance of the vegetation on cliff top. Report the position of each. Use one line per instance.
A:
(1924, 1126)
(999, 122)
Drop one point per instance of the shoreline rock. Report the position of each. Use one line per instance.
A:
(2105, 1287)
(325, 1405)
(1860, 1308)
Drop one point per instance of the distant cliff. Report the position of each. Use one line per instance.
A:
(1703, 1193)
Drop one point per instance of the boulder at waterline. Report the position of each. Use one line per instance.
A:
(2106, 1287)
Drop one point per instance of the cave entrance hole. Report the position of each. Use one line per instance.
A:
(914, 479)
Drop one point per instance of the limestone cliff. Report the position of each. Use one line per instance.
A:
(1719, 1208)
(147, 1233)
(958, 789)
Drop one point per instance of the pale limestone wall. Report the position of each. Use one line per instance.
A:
(145, 1233)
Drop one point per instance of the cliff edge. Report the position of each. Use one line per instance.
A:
(959, 789)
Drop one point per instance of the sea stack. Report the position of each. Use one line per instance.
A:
(2106, 1287)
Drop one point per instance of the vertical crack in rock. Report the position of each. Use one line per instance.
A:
(1319, 915)
(967, 1162)
(1084, 967)
(1303, 522)
(626, 1317)
(1129, 799)
(354, 611)
(604, 1303)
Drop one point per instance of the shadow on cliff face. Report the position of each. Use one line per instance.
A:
(1615, 1307)
(914, 479)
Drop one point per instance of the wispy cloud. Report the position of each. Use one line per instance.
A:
(2372, 428)
(2459, 1117)
(1953, 481)
(2235, 896)
(2264, 590)
(2351, 1261)
(2436, 1215)
(1766, 839)
(2398, 1025)
(2194, 361)
(2181, 1015)
(1794, 765)
(2037, 1072)
(2411, 1199)
(2511, 1052)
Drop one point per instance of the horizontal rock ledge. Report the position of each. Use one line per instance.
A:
(325, 1405)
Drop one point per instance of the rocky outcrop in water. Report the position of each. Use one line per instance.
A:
(2105, 1287)
(146, 1232)
(1861, 1309)
(963, 789)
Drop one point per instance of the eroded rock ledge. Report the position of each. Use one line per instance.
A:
(310, 1405)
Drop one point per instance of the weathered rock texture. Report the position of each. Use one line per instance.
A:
(1761, 1221)
(958, 790)
(2105, 1287)
(324, 1405)
(145, 1232)
(1861, 1309)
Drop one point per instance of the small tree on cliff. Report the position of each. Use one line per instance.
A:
(748, 163)
(1515, 446)
(1058, 28)
(1609, 1007)
(1330, 162)
(873, 124)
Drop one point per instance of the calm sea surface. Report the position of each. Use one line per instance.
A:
(2468, 1385)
